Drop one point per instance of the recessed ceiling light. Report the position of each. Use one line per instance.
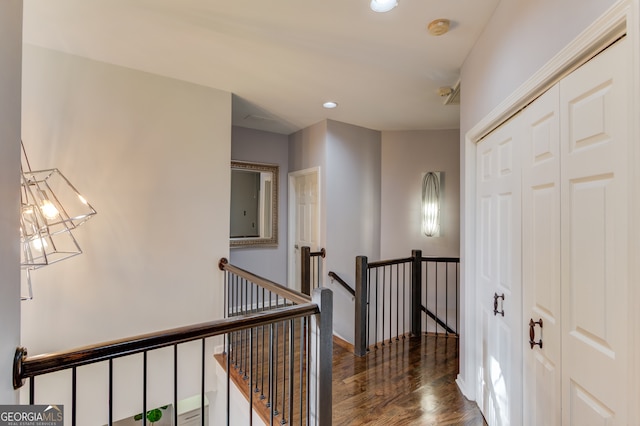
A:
(383, 5)
(330, 105)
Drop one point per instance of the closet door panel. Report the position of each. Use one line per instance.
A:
(541, 260)
(499, 277)
(595, 216)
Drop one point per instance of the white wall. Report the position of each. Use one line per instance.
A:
(152, 155)
(272, 148)
(406, 156)
(521, 37)
(10, 64)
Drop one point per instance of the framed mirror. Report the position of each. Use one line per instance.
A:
(254, 204)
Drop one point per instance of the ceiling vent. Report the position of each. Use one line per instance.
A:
(256, 117)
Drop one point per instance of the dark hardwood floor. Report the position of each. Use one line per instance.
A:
(408, 382)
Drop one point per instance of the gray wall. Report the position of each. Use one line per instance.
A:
(520, 38)
(349, 157)
(10, 77)
(352, 210)
(152, 156)
(353, 196)
(406, 155)
(272, 148)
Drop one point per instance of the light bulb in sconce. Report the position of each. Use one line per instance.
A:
(430, 219)
(431, 204)
(49, 210)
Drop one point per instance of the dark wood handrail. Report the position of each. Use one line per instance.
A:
(280, 290)
(25, 367)
(441, 259)
(380, 263)
(343, 283)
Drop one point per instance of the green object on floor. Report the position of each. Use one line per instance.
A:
(152, 415)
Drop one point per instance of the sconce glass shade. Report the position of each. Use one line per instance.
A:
(431, 204)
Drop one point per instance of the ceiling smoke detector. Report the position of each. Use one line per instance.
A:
(444, 91)
(438, 27)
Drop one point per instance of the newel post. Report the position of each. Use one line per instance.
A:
(305, 270)
(360, 335)
(416, 293)
(323, 297)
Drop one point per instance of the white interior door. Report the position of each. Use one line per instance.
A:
(541, 260)
(304, 218)
(499, 287)
(594, 102)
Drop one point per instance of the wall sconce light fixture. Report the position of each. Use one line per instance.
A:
(431, 204)
(50, 208)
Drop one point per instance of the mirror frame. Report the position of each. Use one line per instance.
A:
(272, 241)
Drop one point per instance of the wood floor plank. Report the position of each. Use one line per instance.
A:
(408, 382)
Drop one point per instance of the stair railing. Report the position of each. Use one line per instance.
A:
(400, 297)
(315, 333)
(294, 388)
(336, 278)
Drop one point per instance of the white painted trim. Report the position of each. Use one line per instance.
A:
(623, 16)
(470, 343)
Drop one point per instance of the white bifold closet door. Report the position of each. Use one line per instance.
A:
(499, 275)
(541, 259)
(595, 213)
(553, 191)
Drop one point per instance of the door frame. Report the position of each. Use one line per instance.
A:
(293, 218)
(622, 18)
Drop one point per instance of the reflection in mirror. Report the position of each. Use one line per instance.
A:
(254, 204)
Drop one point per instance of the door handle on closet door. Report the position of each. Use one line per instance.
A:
(532, 333)
(497, 296)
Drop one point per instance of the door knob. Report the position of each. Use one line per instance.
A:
(496, 296)
(532, 333)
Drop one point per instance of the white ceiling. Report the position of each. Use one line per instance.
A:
(281, 58)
